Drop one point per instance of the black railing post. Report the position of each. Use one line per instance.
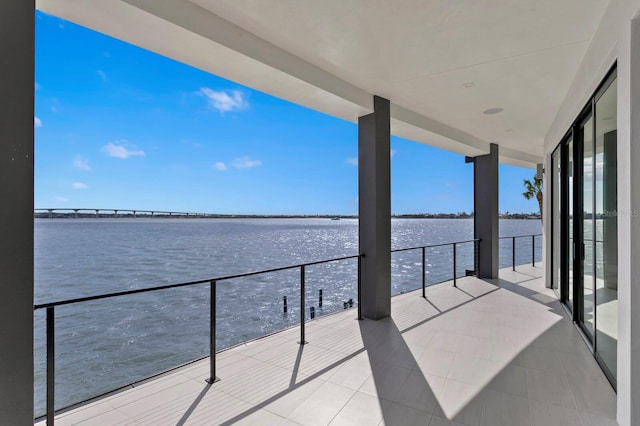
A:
(360, 286)
(51, 370)
(513, 252)
(302, 307)
(320, 298)
(454, 265)
(212, 334)
(423, 275)
(50, 308)
(476, 248)
(533, 250)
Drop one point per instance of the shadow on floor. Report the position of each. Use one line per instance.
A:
(488, 353)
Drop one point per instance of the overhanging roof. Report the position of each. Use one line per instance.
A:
(441, 63)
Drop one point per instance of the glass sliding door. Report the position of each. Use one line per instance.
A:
(587, 246)
(584, 226)
(606, 228)
(568, 222)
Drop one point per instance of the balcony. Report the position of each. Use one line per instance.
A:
(487, 352)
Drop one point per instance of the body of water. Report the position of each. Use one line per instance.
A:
(105, 344)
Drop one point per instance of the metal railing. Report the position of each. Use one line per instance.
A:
(453, 245)
(513, 248)
(212, 282)
(51, 306)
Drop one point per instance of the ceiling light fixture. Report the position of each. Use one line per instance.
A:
(492, 111)
(469, 84)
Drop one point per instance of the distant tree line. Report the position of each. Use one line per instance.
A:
(465, 215)
(85, 215)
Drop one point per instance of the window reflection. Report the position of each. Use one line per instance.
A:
(587, 228)
(606, 228)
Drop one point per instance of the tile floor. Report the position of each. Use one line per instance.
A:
(490, 353)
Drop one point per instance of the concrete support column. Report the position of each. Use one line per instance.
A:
(485, 211)
(374, 209)
(16, 216)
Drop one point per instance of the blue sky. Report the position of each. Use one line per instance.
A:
(120, 127)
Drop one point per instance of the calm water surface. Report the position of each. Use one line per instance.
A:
(109, 343)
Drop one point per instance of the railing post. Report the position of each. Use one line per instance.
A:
(302, 307)
(476, 248)
(454, 265)
(212, 334)
(513, 252)
(533, 250)
(423, 275)
(360, 287)
(320, 298)
(51, 370)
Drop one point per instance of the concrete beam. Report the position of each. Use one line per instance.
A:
(374, 205)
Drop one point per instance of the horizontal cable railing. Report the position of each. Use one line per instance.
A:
(50, 307)
(50, 317)
(190, 283)
(513, 248)
(454, 246)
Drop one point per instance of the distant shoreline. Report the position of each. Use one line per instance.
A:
(72, 215)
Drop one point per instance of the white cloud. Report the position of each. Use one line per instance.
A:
(81, 163)
(37, 122)
(102, 75)
(120, 151)
(62, 199)
(245, 163)
(392, 152)
(225, 101)
(79, 185)
(220, 166)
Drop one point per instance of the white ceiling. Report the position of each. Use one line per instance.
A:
(332, 55)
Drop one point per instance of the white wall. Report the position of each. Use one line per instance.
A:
(629, 232)
(613, 41)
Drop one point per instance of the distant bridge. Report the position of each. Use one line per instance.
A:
(110, 213)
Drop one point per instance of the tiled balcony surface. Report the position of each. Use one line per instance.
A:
(485, 353)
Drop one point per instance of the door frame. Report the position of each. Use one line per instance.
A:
(575, 135)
